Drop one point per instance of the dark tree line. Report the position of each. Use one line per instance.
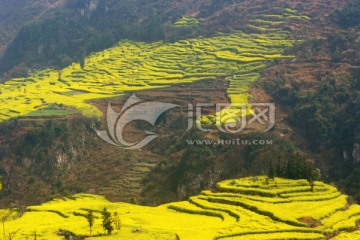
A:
(109, 221)
(349, 16)
(293, 166)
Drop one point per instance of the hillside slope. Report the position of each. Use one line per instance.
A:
(247, 208)
(80, 27)
(137, 66)
(320, 93)
(15, 14)
(165, 68)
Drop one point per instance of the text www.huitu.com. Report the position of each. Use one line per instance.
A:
(229, 142)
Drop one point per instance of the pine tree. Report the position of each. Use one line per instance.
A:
(279, 168)
(107, 222)
(271, 173)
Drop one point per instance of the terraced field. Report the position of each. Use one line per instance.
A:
(247, 208)
(135, 66)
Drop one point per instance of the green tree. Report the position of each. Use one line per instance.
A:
(107, 221)
(279, 171)
(90, 218)
(271, 173)
(117, 221)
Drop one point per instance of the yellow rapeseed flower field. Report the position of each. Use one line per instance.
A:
(135, 66)
(266, 210)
